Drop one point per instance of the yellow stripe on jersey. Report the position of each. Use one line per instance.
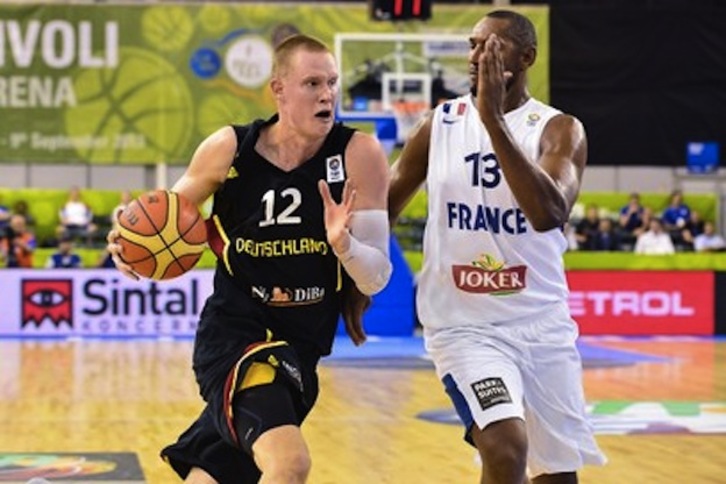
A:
(225, 251)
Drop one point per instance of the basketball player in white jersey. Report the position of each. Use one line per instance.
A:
(502, 171)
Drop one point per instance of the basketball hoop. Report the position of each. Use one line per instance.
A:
(407, 113)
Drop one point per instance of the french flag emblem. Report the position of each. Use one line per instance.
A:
(453, 112)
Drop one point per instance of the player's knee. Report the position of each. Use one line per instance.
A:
(299, 466)
(503, 444)
(288, 460)
(295, 470)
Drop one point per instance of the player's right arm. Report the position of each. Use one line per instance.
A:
(209, 166)
(409, 172)
(205, 174)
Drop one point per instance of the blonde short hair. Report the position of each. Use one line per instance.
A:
(288, 47)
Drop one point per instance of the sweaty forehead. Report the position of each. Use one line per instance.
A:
(307, 63)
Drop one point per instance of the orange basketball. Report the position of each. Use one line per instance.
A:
(162, 235)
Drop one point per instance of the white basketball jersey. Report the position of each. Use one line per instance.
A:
(483, 261)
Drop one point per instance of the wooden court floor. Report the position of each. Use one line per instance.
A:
(659, 420)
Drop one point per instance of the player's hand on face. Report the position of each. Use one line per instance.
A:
(337, 215)
(115, 250)
(492, 78)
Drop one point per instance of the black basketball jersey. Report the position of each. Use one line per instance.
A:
(275, 267)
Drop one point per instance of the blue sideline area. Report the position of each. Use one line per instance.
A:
(392, 310)
(408, 353)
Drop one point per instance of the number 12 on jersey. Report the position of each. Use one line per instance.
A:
(286, 216)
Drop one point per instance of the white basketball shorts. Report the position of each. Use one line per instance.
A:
(528, 368)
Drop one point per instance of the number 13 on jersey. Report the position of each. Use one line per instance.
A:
(485, 170)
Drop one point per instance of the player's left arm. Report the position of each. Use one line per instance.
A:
(358, 228)
(206, 172)
(547, 188)
(367, 167)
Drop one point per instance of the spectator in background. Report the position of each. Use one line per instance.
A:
(17, 248)
(675, 219)
(645, 223)
(126, 198)
(76, 218)
(64, 257)
(586, 228)
(631, 220)
(638, 231)
(606, 237)
(696, 224)
(21, 208)
(4, 219)
(709, 240)
(106, 261)
(569, 232)
(656, 241)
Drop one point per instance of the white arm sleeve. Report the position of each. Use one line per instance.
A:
(367, 259)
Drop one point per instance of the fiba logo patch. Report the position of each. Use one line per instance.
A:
(334, 170)
(50, 300)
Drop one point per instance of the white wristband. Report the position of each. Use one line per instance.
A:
(367, 258)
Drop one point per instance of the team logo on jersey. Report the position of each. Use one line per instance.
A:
(487, 275)
(533, 119)
(453, 112)
(490, 392)
(50, 300)
(286, 296)
(335, 173)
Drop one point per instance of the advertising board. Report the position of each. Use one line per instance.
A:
(99, 303)
(642, 302)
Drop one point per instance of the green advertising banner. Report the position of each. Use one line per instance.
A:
(145, 84)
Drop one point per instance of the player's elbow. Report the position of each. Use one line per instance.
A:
(546, 225)
(553, 212)
(378, 282)
(551, 217)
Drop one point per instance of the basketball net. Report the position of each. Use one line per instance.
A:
(407, 113)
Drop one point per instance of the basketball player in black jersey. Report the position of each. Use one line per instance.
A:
(299, 215)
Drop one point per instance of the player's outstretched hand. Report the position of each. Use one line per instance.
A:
(337, 216)
(115, 250)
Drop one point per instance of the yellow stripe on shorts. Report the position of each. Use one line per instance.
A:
(257, 374)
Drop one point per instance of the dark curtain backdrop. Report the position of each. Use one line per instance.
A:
(644, 79)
